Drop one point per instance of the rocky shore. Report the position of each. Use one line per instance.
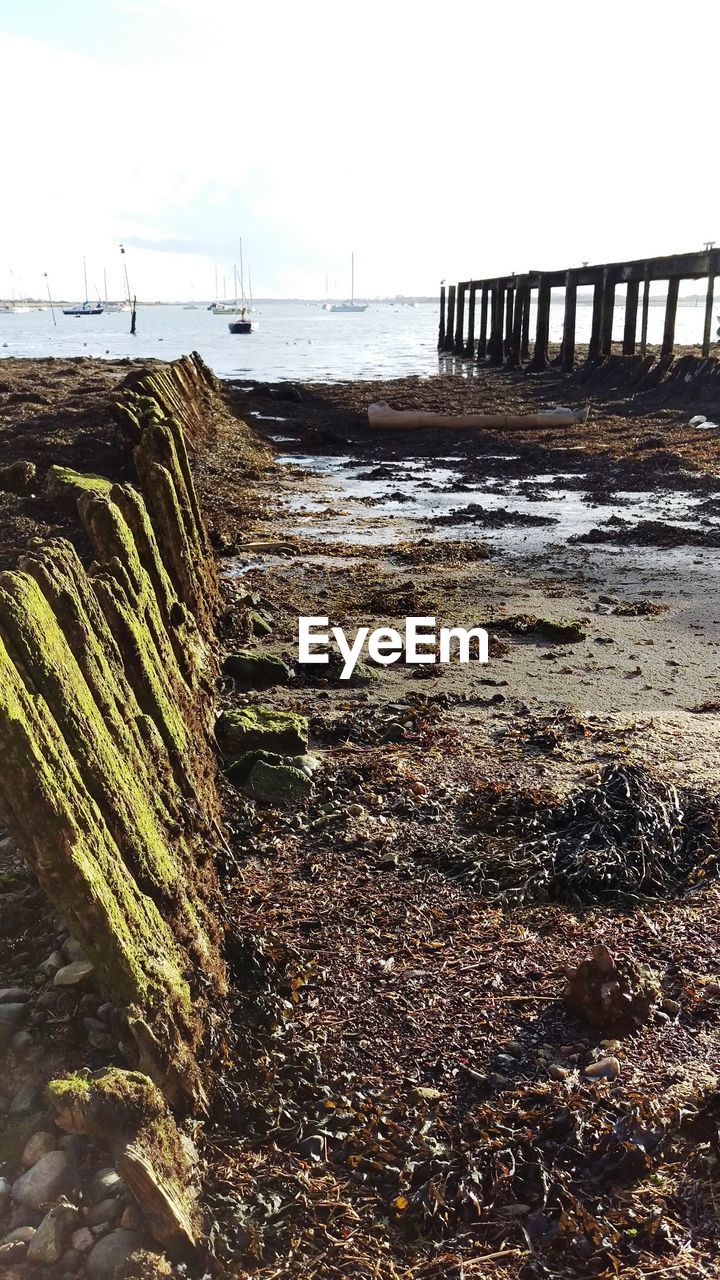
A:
(464, 1015)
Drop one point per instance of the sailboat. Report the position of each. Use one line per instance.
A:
(87, 308)
(352, 305)
(243, 324)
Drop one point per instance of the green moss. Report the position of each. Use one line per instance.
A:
(256, 668)
(259, 625)
(278, 784)
(260, 728)
(67, 485)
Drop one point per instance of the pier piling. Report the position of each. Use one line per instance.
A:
(506, 301)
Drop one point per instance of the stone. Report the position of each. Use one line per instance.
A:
(278, 784)
(104, 1211)
(13, 995)
(21, 1041)
(4, 1194)
(603, 1069)
(260, 728)
(37, 1146)
(14, 1252)
(51, 1177)
(55, 961)
(12, 1012)
(19, 1216)
(256, 668)
(73, 950)
(23, 1234)
(24, 1100)
(106, 1184)
(109, 1254)
(72, 1260)
(82, 1239)
(132, 1218)
(71, 975)
(50, 1240)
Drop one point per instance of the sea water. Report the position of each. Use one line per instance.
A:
(298, 341)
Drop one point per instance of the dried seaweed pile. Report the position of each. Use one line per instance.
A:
(628, 835)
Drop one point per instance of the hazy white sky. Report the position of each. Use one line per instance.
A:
(436, 140)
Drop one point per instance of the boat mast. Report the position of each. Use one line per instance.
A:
(105, 284)
(352, 279)
(235, 282)
(250, 289)
(85, 278)
(242, 281)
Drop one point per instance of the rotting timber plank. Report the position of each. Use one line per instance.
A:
(450, 320)
(668, 342)
(470, 343)
(567, 358)
(441, 325)
(631, 310)
(482, 334)
(458, 343)
(542, 331)
(707, 327)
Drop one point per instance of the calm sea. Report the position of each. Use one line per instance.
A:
(296, 341)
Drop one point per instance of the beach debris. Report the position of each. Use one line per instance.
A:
(381, 415)
(255, 668)
(617, 996)
(17, 477)
(565, 631)
(627, 835)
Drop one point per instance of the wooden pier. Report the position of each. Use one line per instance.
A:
(503, 329)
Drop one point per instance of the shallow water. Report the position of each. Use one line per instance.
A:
(295, 341)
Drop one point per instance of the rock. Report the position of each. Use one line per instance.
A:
(21, 1041)
(259, 625)
(108, 1255)
(4, 1194)
(73, 950)
(132, 1218)
(104, 1211)
(17, 477)
(23, 1234)
(557, 1072)
(12, 1013)
(13, 995)
(24, 1100)
(82, 1239)
(253, 668)
(259, 728)
(6, 1035)
(72, 1260)
(71, 975)
(513, 1047)
(603, 1069)
(14, 1252)
(36, 1147)
(51, 1177)
(19, 1216)
(614, 997)
(670, 1006)
(50, 1240)
(278, 784)
(55, 961)
(106, 1184)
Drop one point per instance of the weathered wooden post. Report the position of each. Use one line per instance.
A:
(567, 354)
(470, 344)
(495, 352)
(525, 340)
(522, 295)
(450, 320)
(707, 329)
(482, 335)
(631, 310)
(670, 313)
(509, 311)
(645, 312)
(441, 326)
(459, 344)
(594, 345)
(608, 308)
(542, 329)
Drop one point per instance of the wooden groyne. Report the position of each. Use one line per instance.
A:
(489, 320)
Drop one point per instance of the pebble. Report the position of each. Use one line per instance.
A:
(49, 1178)
(513, 1047)
(82, 1239)
(21, 1041)
(73, 950)
(13, 995)
(670, 1006)
(71, 975)
(12, 1012)
(24, 1100)
(13, 1252)
(24, 1234)
(49, 1241)
(132, 1218)
(558, 1073)
(108, 1255)
(104, 1211)
(106, 1184)
(4, 1193)
(37, 1146)
(603, 1069)
(72, 1260)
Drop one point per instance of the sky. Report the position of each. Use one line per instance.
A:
(434, 141)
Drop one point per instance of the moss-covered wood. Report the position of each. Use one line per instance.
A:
(106, 702)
